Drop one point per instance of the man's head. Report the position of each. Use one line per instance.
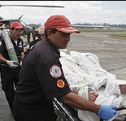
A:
(58, 30)
(40, 32)
(16, 30)
(60, 23)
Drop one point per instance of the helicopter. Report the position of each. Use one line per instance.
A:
(28, 30)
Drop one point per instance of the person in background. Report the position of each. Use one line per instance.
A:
(40, 36)
(33, 33)
(10, 69)
(41, 78)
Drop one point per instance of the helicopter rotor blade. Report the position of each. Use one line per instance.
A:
(35, 6)
(20, 17)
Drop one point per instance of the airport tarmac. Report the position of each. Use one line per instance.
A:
(111, 51)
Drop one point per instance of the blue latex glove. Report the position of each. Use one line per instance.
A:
(106, 112)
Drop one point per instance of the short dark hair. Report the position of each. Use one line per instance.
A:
(12, 28)
(53, 31)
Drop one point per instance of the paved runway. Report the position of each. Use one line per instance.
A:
(110, 50)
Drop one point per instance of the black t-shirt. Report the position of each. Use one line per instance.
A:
(41, 76)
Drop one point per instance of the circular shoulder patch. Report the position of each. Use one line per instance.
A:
(60, 83)
(55, 71)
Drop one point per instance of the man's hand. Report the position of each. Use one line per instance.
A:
(106, 112)
(12, 64)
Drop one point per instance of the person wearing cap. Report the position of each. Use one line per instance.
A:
(40, 36)
(40, 33)
(10, 69)
(41, 78)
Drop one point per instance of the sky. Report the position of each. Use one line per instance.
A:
(112, 12)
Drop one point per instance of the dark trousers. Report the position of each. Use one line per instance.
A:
(9, 80)
(28, 112)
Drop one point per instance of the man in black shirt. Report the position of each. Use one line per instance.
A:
(9, 68)
(41, 78)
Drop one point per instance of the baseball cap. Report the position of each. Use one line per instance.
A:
(16, 25)
(61, 23)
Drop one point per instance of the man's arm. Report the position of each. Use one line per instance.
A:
(2, 59)
(79, 103)
(103, 111)
(11, 64)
